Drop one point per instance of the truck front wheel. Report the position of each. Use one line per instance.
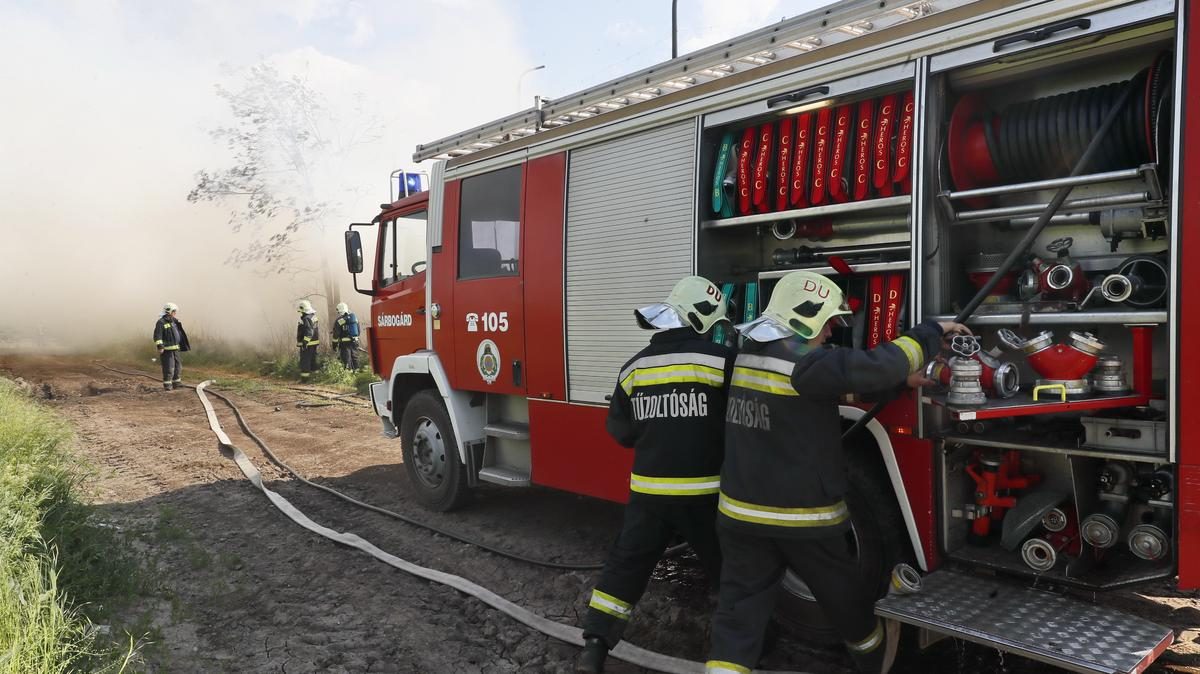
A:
(431, 459)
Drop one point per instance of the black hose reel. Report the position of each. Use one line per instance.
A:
(1045, 137)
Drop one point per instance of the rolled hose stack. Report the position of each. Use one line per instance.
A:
(1043, 138)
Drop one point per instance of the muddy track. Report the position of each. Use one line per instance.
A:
(242, 589)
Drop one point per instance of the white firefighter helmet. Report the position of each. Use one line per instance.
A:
(801, 304)
(343, 308)
(169, 307)
(694, 302)
(305, 307)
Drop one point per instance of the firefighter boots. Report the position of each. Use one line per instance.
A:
(591, 659)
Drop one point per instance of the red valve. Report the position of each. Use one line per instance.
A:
(995, 475)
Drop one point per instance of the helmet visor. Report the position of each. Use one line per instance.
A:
(764, 329)
(659, 316)
(841, 317)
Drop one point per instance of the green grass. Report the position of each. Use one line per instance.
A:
(58, 570)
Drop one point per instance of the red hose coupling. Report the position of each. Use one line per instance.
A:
(998, 379)
(1071, 361)
(1061, 279)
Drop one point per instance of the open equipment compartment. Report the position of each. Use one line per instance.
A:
(818, 178)
(1049, 512)
(1053, 456)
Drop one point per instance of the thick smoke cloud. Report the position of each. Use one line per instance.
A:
(106, 118)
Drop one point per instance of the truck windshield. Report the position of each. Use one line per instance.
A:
(403, 247)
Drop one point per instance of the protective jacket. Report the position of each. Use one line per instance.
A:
(345, 328)
(668, 406)
(169, 334)
(784, 474)
(306, 331)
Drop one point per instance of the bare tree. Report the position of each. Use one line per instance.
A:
(286, 145)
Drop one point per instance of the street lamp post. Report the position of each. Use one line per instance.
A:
(522, 77)
(674, 29)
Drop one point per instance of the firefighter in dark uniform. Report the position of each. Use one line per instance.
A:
(308, 336)
(783, 482)
(669, 407)
(170, 339)
(345, 336)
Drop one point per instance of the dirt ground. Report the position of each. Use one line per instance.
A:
(240, 588)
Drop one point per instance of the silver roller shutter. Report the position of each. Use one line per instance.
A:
(630, 237)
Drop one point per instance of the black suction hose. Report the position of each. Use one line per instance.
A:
(1022, 247)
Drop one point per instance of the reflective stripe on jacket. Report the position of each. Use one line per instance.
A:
(306, 331)
(784, 473)
(668, 406)
(169, 334)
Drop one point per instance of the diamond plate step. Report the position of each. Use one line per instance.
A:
(504, 476)
(1050, 628)
(512, 430)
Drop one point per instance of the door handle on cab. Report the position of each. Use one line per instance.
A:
(421, 310)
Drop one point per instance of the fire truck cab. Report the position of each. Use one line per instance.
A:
(906, 149)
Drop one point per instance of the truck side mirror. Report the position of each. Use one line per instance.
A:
(354, 254)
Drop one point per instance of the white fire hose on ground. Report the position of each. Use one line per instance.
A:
(572, 635)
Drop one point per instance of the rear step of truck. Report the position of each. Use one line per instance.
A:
(1047, 627)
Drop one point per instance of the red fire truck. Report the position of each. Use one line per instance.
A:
(907, 149)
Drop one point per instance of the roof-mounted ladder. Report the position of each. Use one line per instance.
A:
(831, 25)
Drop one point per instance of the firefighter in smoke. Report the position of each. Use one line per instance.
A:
(668, 406)
(783, 482)
(170, 339)
(308, 336)
(345, 336)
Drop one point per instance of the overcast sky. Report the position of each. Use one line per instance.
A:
(108, 104)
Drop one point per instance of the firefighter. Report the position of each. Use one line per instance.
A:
(307, 338)
(783, 483)
(345, 336)
(170, 339)
(668, 406)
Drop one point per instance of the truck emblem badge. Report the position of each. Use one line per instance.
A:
(487, 359)
(472, 322)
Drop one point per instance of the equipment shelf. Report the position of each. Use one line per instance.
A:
(1020, 440)
(898, 203)
(1091, 317)
(1116, 568)
(863, 268)
(1023, 404)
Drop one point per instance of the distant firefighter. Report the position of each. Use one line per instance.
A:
(345, 336)
(170, 339)
(308, 337)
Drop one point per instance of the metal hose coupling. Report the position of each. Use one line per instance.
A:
(1118, 287)
(905, 580)
(784, 229)
(1039, 554)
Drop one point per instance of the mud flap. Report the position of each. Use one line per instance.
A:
(1036, 624)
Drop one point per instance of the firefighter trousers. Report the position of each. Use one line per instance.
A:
(308, 361)
(171, 368)
(750, 582)
(647, 530)
(348, 354)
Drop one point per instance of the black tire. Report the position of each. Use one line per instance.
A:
(878, 535)
(431, 460)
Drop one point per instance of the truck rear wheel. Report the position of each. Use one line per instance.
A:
(431, 459)
(878, 537)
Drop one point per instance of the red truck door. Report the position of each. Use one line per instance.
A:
(488, 310)
(398, 310)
